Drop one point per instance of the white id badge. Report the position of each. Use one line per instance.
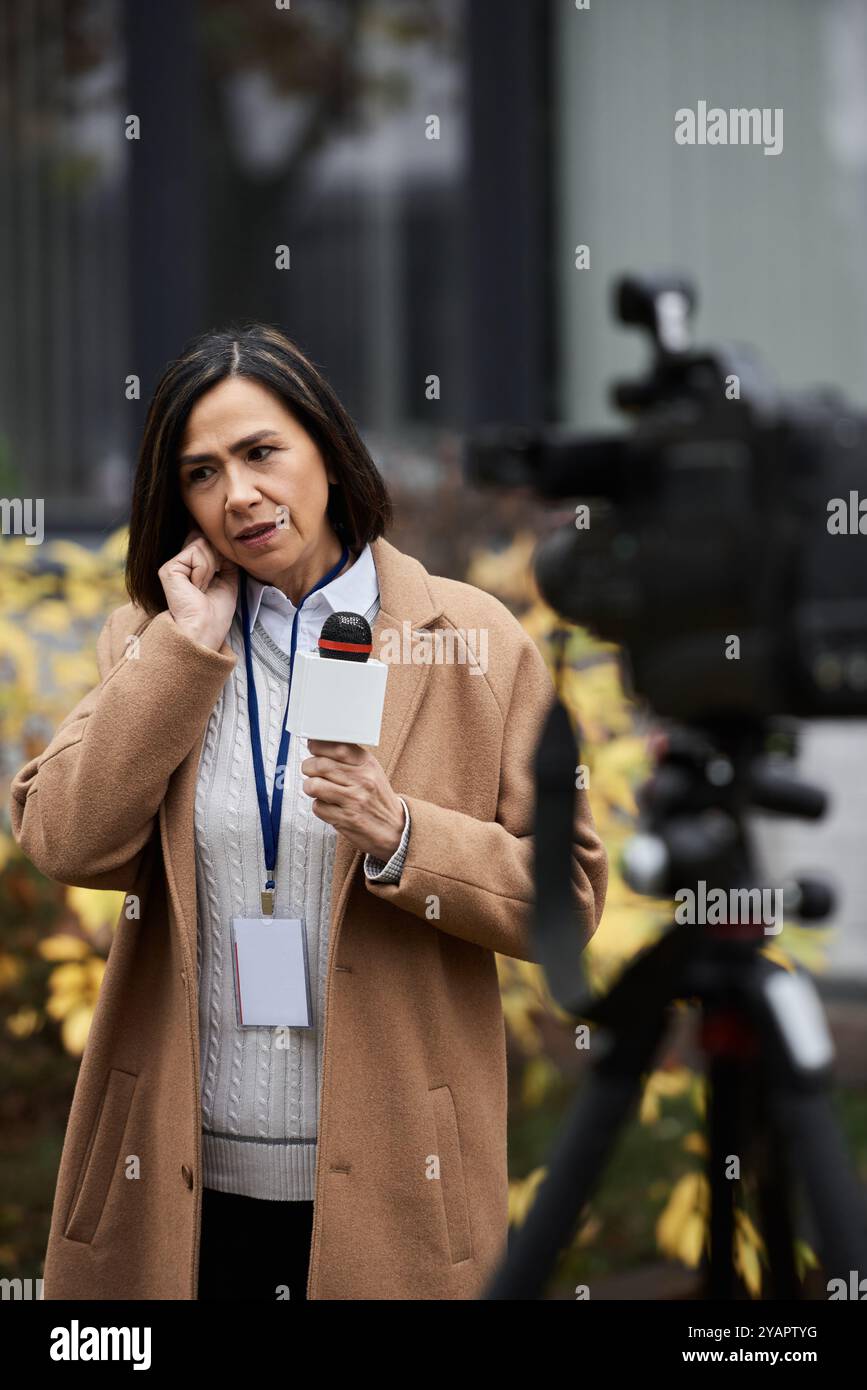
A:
(272, 980)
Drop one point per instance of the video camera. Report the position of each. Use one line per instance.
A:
(723, 542)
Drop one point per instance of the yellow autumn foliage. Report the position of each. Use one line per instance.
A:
(95, 910)
(73, 990)
(522, 1194)
(681, 1227)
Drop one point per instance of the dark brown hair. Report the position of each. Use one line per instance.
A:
(359, 507)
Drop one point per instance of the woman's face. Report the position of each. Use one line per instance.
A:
(244, 462)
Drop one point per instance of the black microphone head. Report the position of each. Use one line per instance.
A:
(346, 637)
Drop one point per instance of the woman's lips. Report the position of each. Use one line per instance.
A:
(262, 539)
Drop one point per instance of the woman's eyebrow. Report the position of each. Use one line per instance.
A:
(234, 448)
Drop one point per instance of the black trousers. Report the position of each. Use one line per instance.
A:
(253, 1249)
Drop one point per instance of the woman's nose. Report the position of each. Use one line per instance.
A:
(241, 488)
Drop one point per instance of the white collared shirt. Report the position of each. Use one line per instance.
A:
(356, 590)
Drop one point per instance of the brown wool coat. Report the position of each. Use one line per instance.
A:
(414, 1052)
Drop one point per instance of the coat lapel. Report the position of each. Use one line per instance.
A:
(405, 597)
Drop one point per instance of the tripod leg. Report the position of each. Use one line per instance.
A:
(739, 1129)
(798, 1052)
(723, 1137)
(579, 1157)
(775, 1194)
(833, 1191)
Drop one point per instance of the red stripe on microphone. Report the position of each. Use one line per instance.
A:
(345, 646)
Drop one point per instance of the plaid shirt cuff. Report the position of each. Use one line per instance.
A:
(390, 872)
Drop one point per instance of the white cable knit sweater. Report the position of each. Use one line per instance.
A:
(260, 1086)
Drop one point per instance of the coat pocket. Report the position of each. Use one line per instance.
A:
(451, 1178)
(100, 1160)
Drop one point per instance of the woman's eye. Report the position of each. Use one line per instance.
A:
(198, 475)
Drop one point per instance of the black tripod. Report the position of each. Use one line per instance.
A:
(763, 1027)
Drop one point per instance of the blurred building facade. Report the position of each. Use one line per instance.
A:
(159, 160)
(402, 186)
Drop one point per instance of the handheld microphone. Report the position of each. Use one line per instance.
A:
(338, 691)
(346, 637)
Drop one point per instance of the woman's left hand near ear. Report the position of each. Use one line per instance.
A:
(352, 793)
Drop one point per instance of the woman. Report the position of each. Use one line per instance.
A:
(363, 1156)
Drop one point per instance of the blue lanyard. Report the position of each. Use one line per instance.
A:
(270, 819)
